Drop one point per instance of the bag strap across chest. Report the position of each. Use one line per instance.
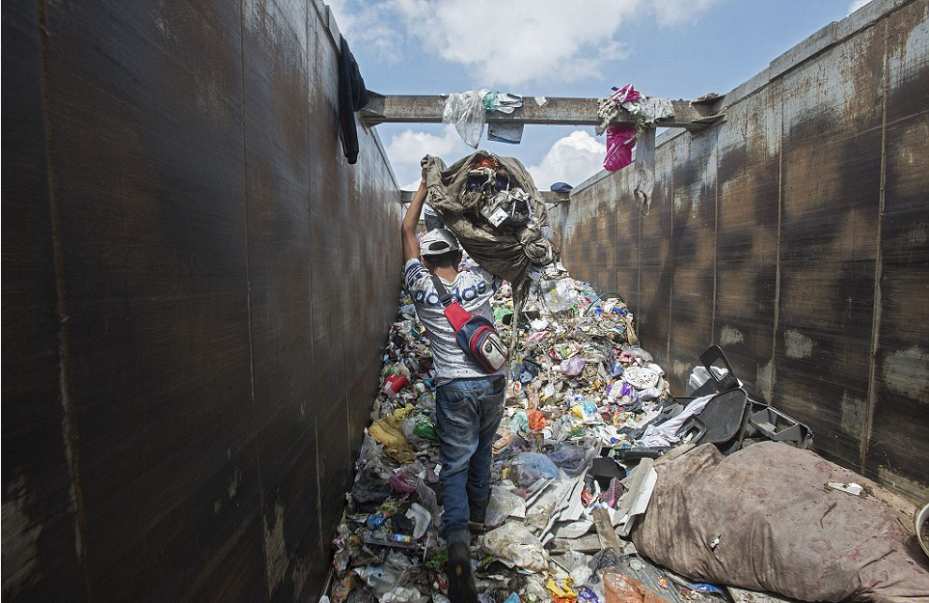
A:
(454, 311)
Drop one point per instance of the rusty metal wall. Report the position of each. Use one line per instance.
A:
(794, 234)
(196, 291)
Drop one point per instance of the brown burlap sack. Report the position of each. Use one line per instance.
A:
(507, 252)
(765, 519)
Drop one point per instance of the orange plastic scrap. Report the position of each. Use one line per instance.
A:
(501, 444)
(537, 420)
(488, 162)
(562, 595)
(621, 588)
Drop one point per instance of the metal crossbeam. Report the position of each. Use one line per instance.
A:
(551, 197)
(691, 115)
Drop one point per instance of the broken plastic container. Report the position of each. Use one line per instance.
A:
(393, 384)
(379, 578)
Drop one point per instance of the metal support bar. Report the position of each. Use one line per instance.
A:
(550, 197)
(557, 111)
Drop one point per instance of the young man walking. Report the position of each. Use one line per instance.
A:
(469, 402)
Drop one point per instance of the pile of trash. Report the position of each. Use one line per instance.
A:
(590, 426)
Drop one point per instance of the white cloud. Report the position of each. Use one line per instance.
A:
(407, 148)
(369, 24)
(673, 13)
(856, 4)
(509, 44)
(520, 41)
(571, 159)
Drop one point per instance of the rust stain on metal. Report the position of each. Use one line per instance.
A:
(789, 264)
(275, 549)
(905, 373)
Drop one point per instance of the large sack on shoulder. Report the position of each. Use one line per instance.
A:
(509, 251)
(765, 519)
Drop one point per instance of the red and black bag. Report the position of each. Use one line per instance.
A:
(476, 336)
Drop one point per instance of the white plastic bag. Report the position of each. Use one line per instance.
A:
(504, 504)
(515, 543)
(465, 111)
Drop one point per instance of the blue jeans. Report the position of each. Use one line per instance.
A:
(468, 412)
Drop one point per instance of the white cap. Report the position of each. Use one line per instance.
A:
(438, 241)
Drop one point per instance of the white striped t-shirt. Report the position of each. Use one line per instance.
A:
(473, 289)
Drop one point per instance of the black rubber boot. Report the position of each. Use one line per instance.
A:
(461, 587)
(478, 510)
(479, 528)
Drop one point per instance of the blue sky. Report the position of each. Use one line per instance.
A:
(665, 48)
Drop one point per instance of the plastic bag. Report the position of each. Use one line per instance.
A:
(640, 377)
(560, 295)
(419, 431)
(643, 356)
(574, 458)
(620, 141)
(515, 543)
(573, 366)
(402, 483)
(666, 433)
(428, 499)
(537, 420)
(370, 450)
(403, 594)
(421, 516)
(652, 393)
(520, 421)
(426, 429)
(529, 467)
(387, 431)
(465, 111)
(622, 393)
(369, 490)
(625, 589)
(504, 504)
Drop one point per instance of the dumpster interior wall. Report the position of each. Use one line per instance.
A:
(197, 288)
(794, 235)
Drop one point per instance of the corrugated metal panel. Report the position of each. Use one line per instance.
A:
(747, 238)
(656, 259)
(897, 448)
(831, 146)
(794, 236)
(144, 103)
(693, 257)
(40, 500)
(223, 309)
